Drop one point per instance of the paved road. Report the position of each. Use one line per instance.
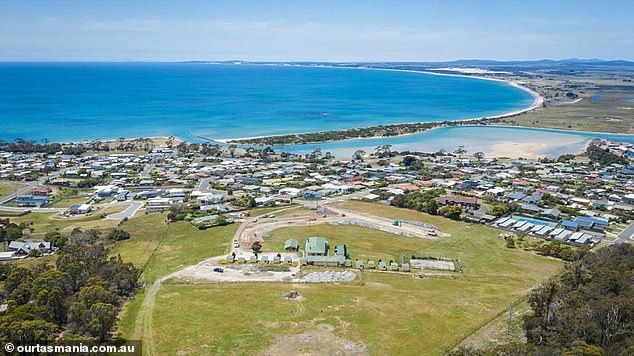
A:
(20, 209)
(204, 185)
(27, 187)
(384, 224)
(626, 235)
(127, 213)
(32, 184)
(146, 171)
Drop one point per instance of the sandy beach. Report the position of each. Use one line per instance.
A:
(531, 150)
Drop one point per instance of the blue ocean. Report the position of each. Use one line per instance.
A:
(84, 101)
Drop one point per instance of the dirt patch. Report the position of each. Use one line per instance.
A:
(321, 341)
(293, 295)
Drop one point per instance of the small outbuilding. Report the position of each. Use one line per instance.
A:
(291, 245)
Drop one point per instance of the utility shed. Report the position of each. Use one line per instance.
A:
(291, 245)
(333, 261)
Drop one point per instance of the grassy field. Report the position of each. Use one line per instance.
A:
(162, 248)
(605, 111)
(8, 188)
(363, 243)
(385, 313)
(41, 223)
(292, 209)
(158, 247)
(67, 202)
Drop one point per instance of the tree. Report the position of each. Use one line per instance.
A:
(431, 207)
(454, 212)
(56, 239)
(478, 155)
(408, 160)
(587, 310)
(101, 319)
(29, 331)
(383, 150)
(580, 348)
(17, 276)
(316, 153)
(81, 294)
(460, 150)
(176, 213)
(80, 312)
(251, 202)
(358, 155)
(499, 210)
(11, 232)
(118, 235)
(256, 247)
(51, 289)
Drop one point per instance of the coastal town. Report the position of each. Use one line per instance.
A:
(346, 178)
(573, 199)
(235, 216)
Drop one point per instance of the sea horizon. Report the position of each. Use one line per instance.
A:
(190, 100)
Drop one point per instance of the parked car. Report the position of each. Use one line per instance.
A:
(218, 269)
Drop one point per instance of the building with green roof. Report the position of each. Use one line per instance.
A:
(291, 245)
(316, 246)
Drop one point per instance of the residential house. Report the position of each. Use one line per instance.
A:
(31, 201)
(465, 202)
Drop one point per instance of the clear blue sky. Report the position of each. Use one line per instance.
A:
(322, 30)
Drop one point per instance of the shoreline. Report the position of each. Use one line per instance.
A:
(538, 101)
(109, 141)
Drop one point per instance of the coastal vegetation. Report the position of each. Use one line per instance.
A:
(586, 310)
(604, 156)
(424, 201)
(363, 132)
(20, 145)
(79, 295)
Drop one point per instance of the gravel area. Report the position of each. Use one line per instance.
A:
(329, 276)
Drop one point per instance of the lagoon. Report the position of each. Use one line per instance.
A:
(498, 141)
